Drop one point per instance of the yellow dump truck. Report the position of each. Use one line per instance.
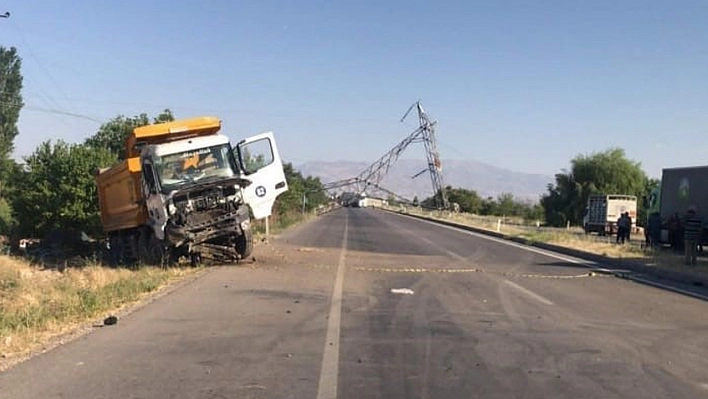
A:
(184, 191)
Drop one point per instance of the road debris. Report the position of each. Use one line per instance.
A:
(254, 386)
(110, 320)
(402, 291)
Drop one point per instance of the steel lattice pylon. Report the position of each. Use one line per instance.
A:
(371, 177)
(431, 152)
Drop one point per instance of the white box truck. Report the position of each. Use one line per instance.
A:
(603, 210)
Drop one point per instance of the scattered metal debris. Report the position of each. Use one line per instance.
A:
(402, 291)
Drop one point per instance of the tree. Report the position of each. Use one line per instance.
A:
(643, 208)
(112, 134)
(507, 205)
(468, 200)
(606, 172)
(57, 189)
(300, 188)
(10, 99)
(10, 105)
(165, 116)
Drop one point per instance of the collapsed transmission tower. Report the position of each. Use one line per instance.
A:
(371, 177)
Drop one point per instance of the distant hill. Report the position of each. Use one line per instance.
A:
(487, 180)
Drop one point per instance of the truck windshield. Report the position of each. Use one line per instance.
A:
(184, 168)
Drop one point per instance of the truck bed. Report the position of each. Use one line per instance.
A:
(120, 196)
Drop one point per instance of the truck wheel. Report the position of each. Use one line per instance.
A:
(152, 250)
(244, 244)
(115, 251)
(158, 253)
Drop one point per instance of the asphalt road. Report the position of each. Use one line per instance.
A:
(315, 317)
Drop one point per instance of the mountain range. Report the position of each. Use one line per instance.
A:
(487, 180)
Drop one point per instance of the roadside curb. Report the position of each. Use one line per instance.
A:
(692, 279)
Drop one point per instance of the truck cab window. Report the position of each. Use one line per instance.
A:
(199, 165)
(256, 155)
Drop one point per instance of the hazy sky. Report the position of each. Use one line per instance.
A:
(524, 85)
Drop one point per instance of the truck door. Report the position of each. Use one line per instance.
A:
(260, 163)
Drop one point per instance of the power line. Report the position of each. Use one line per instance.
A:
(50, 111)
(41, 66)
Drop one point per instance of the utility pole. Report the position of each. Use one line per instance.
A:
(427, 136)
(372, 176)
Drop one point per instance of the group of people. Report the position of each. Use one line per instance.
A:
(624, 228)
(684, 233)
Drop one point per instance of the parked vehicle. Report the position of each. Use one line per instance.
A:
(184, 191)
(603, 210)
(680, 189)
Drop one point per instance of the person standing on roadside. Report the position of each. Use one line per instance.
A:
(628, 232)
(692, 227)
(654, 229)
(674, 226)
(622, 228)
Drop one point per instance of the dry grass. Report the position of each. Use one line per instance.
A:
(587, 244)
(36, 305)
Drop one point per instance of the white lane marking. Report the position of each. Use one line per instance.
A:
(452, 254)
(580, 262)
(668, 287)
(402, 291)
(529, 293)
(329, 374)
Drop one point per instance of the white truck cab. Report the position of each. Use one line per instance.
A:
(185, 191)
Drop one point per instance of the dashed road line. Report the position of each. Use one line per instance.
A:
(529, 293)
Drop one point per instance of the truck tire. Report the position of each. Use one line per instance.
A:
(115, 251)
(159, 255)
(244, 244)
(152, 250)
